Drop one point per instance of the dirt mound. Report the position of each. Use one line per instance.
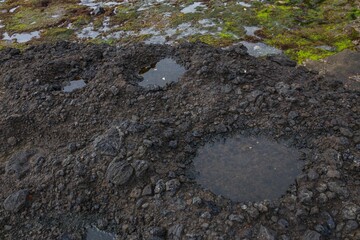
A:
(117, 156)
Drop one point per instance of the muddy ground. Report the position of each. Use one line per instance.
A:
(118, 157)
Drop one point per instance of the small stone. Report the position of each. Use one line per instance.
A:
(305, 196)
(19, 163)
(12, 141)
(293, 115)
(253, 212)
(337, 188)
(110, 143)
(283, 223)
(196, 201)
(350, 226)
(312, 175)
(135, 193)
(311, 235)
(206, 215)
(172, 185)
(16, 201)
(114, 90)
(333, 174)
(173, 144)
(350, 211)
(147, 191)
(346, 132)
(160, 186)
(322, 198)
(236, 218)
(119, 172)
(266, 234)
(140, 166)
(175, 232)
(157, 231)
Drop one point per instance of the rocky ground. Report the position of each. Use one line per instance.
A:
(117, 156)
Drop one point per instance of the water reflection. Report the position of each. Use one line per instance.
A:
(165, 71)
(247, 168)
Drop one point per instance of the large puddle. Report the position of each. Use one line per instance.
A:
(165, 71)
(247, 168)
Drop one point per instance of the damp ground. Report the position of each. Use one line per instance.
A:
(247, 168)
(115, 156)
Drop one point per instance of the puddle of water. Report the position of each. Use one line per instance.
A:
(250, 30)
(77, 84)
(96, 234)
(193, 7)
(247, 168)
(21, 37)
(165, 71)
(260, 49)
(244, 4)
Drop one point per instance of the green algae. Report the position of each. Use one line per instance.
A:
(298, 27)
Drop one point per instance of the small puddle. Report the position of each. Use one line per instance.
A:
(77, 84)
(21, 37)
(193, 7)
(260, 49)
(165, 71)
(96, 234)
(247, 168)
(250, 30)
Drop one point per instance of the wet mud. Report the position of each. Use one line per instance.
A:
(118, 157)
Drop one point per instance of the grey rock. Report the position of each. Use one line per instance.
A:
(236, 217)
(311, 235)
(283, 223)
(312, 174)
(175, 232)
(140, 166)
(337, 188)
(305, 196)
(226, 89)
(110, 143)
(173, 144)
(293, 115)
(350, 211)
(350, 226)
(160, 186)
(346, 132)
(19, 163)
(119, 172)
(251, 97)
(253, 212)
(157, 231)
(266, 234)
(147, 191)
(16, 201)
(114, 90)
(282, 88)
(172, 185)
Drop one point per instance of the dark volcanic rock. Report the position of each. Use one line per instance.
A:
(119, 172)
(16, 201)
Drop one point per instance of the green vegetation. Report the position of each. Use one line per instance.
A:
(301, 28)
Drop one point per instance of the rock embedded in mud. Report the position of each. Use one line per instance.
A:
(311, 235)
(16, 201)
(110, 143)
(19, 163)
(172, 185)
(266, 234)
(119, 172)
(140, 166)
